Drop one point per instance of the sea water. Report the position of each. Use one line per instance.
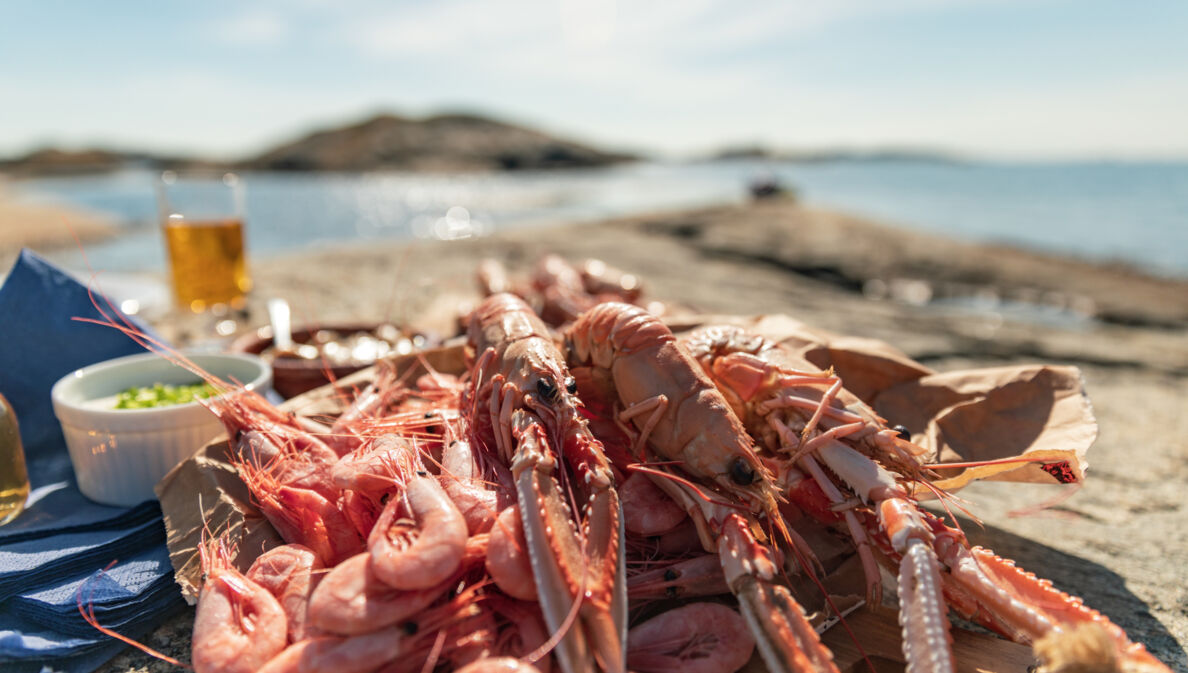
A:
(1135, 213)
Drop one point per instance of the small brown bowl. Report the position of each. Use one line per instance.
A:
(292, 376)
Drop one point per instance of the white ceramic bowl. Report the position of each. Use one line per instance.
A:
(120, 454)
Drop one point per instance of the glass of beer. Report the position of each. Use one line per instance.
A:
(14, 481)
(202, 222)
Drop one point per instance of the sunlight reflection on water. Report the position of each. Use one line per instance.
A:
(1131, 212)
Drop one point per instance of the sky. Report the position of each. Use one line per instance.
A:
(1010, 79)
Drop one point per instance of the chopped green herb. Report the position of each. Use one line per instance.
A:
(162, 395)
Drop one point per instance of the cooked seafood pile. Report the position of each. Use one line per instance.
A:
(603, 497)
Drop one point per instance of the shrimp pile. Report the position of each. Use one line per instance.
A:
(407, 547)
(603, 498)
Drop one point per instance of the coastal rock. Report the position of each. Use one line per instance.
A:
(443, 142)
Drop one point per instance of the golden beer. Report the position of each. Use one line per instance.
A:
(207, 261)
(14, 481)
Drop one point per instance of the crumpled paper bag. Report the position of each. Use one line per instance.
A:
(1039, 413)
(1035, 417)
(1034, 422)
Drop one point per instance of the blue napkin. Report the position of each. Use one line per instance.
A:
(119, 595)
(26, 564)
(49, 344)
(56, 549)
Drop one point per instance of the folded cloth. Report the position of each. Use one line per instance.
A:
(53, 553)
(33, 648)
(21, 643)
(29, 564)
(43, 521)
(133, 591)
(44, 302)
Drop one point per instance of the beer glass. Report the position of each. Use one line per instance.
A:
(202, 223)
(14, 481)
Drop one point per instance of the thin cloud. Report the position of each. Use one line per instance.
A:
(255, 27)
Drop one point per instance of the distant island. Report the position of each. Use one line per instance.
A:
(442, 142)
(446, 142)
(745, 152)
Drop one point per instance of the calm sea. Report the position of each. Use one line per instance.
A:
(1130, 212)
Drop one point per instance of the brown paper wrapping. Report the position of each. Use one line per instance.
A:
(1037, 412)
(1035, 417)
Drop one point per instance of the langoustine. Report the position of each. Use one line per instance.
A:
(524, 410)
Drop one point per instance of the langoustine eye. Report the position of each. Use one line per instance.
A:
(547, 390)
(741, 473)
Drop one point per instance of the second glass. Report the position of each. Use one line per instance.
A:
(14, 480)
(202, 222)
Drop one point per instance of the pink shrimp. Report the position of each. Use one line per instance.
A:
(290, 573)
(499, 665)
(396, 647)
(239, 625)
(355, 654)
(507, 556)
(698, 576)
(287, 463)
(243, 410)
(376, 468)
(524, 633)
(369, 476)
(348, 433)
(461, 477)
(694, 638)
(302, 516)
(420, 537)
(646, 509)
(350, 599)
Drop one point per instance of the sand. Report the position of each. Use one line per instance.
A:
(1121, 542)
(45, 226)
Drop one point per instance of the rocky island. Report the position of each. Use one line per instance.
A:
(443, 142)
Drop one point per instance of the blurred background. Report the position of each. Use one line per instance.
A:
(1055, 125)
